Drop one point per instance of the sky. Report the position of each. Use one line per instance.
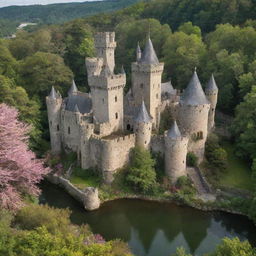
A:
(4, 3)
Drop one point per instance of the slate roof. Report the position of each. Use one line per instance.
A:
(143, 116)
(149, 54)
(174, 132)
(194, 94)
(122, 70)
(79, 102)
(53, 94)
(167, 88)
(73, 88)
(211, 86)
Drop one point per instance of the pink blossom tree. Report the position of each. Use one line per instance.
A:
(20, 171)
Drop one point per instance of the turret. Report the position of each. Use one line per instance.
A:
(193, 116)
(54, 102)
(143, 127)
(73, 89)
(105, 45)
(138, 53)
(175, 153)
(211, 92)
(146, 81)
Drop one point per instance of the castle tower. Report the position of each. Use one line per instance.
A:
(105, 45)
(54, 102)
(146, 81)
(143, 127)
(193, 116)
(211, 92)
(175, 153)
(107, 98)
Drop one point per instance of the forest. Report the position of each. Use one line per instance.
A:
(215, 36)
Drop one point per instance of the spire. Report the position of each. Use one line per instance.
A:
(149, 54)
(211, 86)
(174, 132)
(53, 94)
(122, 70)
(138, 52)
(143, 116)
(76, 109)
(73, 88)
(194, 94)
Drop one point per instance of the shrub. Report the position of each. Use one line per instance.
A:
(141, 173)
(192, 159)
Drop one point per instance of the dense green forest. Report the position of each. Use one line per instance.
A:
(59, 13)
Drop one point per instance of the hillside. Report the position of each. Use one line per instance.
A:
(58, 13)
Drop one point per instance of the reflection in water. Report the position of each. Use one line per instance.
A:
(155, 228)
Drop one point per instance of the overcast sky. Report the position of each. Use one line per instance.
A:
(4, 3)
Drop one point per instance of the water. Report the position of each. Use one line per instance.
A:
(152, 228)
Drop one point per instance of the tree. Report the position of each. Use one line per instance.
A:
(230, 247)
(41, 71)
(20, 171)
(141, 174)
(189, 29)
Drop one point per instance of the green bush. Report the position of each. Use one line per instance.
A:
(141, 173)
(192, 159)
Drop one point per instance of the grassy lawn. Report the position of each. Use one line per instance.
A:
(238, 174)
(84, 178)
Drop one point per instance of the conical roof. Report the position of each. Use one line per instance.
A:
(73, 88)
(211, 86)
(143, 116)
(194, 94)
(122, 70)
(149, 54)
(76, 109)
(174, 132)
(53, 94)
(138, 48)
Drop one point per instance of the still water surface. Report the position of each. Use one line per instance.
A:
(155, 229)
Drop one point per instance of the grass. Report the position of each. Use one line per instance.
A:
(238, 174)
(84, 178)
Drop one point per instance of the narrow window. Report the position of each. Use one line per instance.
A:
(116, 115)
(115, 98)
(68, 130)
(58, 127)
(145, 142)
(141, 85)
(50, 123)
(157, 95)
(103, 101)
(128, 127)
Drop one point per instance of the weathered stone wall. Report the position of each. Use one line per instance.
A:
(212, 97)
(143, 134)
(70, 130)
(175, 157)
(157, 144)
(54, 119)
(193, 122)
(88, 197)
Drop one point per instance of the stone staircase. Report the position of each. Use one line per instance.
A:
(204, 191)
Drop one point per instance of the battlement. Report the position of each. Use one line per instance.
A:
(94, 66)
(147, 68)
(110, 82)
(105, 40)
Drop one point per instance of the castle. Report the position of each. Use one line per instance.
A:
(104, 125)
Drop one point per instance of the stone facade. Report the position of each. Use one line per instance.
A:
(104, 125)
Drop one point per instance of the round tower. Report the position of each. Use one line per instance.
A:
(175, 153)
(193, 116)
(143, 127)
(54, 102)
(211, 92)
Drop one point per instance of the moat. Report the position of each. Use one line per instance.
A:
(152, 228)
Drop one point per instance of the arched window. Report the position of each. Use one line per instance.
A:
(115, 98)
(128, 127)
(58, 127)
(68, 130)
(116, 115)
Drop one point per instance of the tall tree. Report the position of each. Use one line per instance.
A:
(20, 171)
